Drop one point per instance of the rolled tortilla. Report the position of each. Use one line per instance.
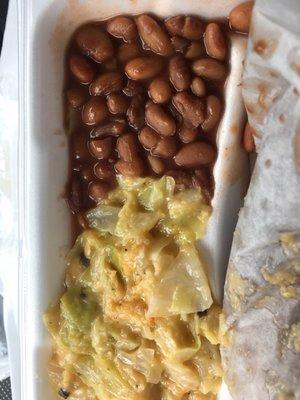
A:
(261, 349)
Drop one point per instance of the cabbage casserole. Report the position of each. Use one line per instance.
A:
(137, 320)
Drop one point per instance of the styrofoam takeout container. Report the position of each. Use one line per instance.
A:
(44, 27)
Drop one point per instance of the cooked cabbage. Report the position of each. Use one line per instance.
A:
(144, 360)
(153, 196)
(104, 218)
(208, 364)
(182, 287)
(175, 339)
(127, 326)
(145, 203)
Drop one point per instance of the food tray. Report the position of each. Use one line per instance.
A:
(44, 225)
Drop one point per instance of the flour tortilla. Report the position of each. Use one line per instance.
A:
(261, 350)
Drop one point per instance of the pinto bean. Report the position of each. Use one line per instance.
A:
(94, 111)
(98, 190)
(153, 36)
(136, 112)
(128, 147)
(165, 148)
(214, 41)
(190, 107)
(143, 68)
(160, 119)
(194, 50)
(133, 168)
(148, 137)
(87, 174)
(94, 43)
(192, 28)
(132, 88)
(101, 148)
(79, 146)
(76, 97)
(209, 68)
(104, 170)
(180, 44)
(114, 128)
(187, 134)
(111, 65)
(240, 17)
(128, 51)
(160, 91)
(81, 69)
(106, 83)
(198, 87)
(213, 113)
(117, 103)
(179, 72)
(195, 154)
(188, 27)
(156, 164)
(123, 28)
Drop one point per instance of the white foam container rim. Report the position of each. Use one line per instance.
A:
(42, 234)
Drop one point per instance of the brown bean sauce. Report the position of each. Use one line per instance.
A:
(101, 102)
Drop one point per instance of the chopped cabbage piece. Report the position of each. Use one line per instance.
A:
(175, 339)
(209, 325)
(184, 376)
(156, 193)
(134, 378)
(77, 312)
(143, 360)
(102, 374)
(208, 364)
(187, 216)
(182, 288)
(104, 218)
(133, 221)
(52, 320)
